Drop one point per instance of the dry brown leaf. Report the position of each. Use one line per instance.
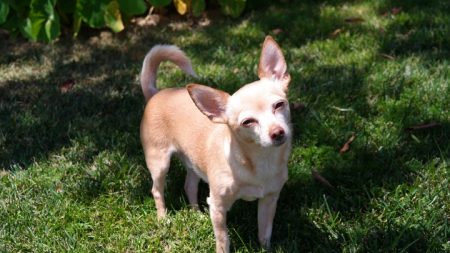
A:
(181, 25)
(423, 126)
(297, 106)
(396, 10)
(320, 179)
(277, 31)
(354, 20)
(336, 32)
(66, 85)
(387, 56)
(149, 20)
(59, 188)
(204, 21)
(346, 146)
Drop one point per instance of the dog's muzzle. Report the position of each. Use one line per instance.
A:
(278, 136)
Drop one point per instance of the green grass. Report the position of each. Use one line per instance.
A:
(72, 173)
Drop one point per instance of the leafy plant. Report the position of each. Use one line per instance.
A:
(41, 20)
(4, 10)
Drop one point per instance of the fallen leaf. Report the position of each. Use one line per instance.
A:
(320, 179)
(297, 106)
(423, 126)
(66, 85)
(181, 25)
(336, 33)
(149, 20)
(277, 31)
(204, 21)
(346, 146)
(354, 20)
(396, 10)
(59, 188)
(387, 56)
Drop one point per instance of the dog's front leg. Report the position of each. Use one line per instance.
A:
(218, 213)
(266, 211)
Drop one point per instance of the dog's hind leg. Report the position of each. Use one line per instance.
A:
(158, 162)
(191, 187)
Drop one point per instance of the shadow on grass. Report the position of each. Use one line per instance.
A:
(39, 119)
(422, 27)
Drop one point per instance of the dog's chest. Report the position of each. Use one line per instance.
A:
(268, 177)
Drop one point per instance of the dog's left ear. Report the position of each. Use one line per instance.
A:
(209, 101)
(272, 64)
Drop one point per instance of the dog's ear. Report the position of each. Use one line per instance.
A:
(209, 101)
(272, 64)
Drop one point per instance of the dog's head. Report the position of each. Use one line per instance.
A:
(258, 112)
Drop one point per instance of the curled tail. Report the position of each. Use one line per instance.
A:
(152, 60)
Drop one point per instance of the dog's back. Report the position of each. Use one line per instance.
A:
(171, 121)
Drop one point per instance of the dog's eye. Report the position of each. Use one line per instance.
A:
(279, 105)
(249, 122)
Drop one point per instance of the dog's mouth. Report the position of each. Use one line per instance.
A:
(279, 141)
(277, 135)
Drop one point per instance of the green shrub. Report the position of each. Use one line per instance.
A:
(41, 20)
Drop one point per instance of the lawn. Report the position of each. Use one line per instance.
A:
(72, 172)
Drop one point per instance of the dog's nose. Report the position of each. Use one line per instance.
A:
(277, 134)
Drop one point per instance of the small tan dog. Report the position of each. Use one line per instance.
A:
(239, 144)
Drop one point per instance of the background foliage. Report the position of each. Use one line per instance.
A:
(41, 20)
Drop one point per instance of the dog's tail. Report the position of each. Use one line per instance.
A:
(152, 60)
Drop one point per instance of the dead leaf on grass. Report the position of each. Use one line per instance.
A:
(181, 25)
(320, 179)
(396, 10)
(149, 20)
(59, 188)
(354, 20)
(204, 21)
(346, 146)
(387, 56)
(297, 106)
(336, 33)
(423, 126)
(66, 86)
(277, 31)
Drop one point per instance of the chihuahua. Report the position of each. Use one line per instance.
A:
(239, 144)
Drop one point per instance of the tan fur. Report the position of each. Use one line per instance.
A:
(237, 143)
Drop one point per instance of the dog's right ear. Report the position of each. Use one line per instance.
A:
(209, 101)
(272, 64)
